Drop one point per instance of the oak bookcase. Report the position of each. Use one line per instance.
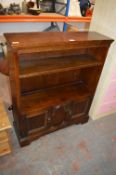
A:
(53, 79)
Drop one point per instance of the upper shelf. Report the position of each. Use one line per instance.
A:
(43, 17)
(31, 68)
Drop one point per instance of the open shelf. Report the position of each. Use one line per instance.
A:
(58, 64)
(44, 99)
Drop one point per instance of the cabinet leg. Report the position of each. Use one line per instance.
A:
(23, 141)
(85, 119)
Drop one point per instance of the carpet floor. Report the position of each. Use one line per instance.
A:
(88, 149)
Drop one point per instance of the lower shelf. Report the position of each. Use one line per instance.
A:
(42, 100)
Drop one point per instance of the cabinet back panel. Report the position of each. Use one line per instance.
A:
(34, 56)
(47, 81)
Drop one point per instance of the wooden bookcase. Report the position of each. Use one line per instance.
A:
(53, 79)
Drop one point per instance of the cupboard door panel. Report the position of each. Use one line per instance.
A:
(58, 115)
(79, 108)
(38, 121)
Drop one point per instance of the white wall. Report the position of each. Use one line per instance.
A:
(104, 21)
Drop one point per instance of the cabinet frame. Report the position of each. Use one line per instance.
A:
(63, 101)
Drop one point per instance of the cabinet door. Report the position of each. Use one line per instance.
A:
(62, 115)
(38, 121)
(78, 109)
(58, 115)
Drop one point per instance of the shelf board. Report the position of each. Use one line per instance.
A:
(42, 17)
(56, 64)
(46, 98)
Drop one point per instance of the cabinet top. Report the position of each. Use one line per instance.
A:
(20, 41)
